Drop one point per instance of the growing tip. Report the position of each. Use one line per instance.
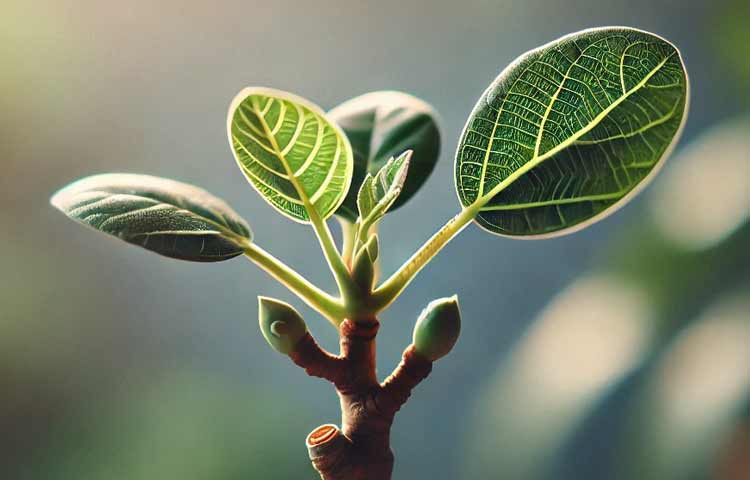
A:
(406, 155)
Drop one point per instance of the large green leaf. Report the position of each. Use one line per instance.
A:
(571, 131)
(294, 157)
(381, 125)
(168, 217)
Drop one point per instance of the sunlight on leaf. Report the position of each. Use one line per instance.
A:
(289, 151)
(171, 218)
(570, 131)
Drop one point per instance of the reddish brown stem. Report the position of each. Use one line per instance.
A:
(397, 388)
(361, 449)
(317, 362)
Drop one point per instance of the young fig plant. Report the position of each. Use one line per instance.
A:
(563, 137)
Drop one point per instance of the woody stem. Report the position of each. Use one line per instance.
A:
(360, 449)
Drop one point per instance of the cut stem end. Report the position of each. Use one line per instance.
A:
(322, 435)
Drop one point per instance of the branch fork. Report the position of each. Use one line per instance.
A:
(360, 450)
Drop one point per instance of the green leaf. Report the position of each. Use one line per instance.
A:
(381, 125)
(170, 218)
(378, 193)
(570, 131)
(289, 151)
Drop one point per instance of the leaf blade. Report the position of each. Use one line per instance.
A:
(541, 170)
(171, 218)
(289, 152)
(381, 125)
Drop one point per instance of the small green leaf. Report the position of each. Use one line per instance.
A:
(290, 152)
(437, 328)
(570, 131)
(282, 326)
(381, 125)
(171, 218)
(378, 193)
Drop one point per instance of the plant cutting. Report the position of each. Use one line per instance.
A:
(563, 137)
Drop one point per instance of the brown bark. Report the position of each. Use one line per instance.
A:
(360, 450)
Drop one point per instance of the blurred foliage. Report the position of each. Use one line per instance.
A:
(730, 37)
(589, 337)
(691, 402)
(181, 426)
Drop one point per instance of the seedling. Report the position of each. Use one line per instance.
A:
(563, 137)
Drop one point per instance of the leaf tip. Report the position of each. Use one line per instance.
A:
(61, 197)
(56, 200)
(406, 155)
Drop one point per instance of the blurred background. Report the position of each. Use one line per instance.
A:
(618, 352)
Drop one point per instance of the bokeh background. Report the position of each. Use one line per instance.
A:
(617, 352)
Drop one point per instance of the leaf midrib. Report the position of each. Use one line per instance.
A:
(558, 201)
(537, 159)
(220, 229)
(309, 207)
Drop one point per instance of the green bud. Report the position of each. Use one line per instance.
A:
(363, 267)
(437, 328)
(281, 324)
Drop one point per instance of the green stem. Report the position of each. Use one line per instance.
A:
(328, 306)
(334, 259)
(392, 288)
(376, 265)
(349, 237)
(340, 272)
(396, 283)
(366, 224)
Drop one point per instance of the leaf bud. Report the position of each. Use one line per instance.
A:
(363, 267)
(437, 328)
(281, 324)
